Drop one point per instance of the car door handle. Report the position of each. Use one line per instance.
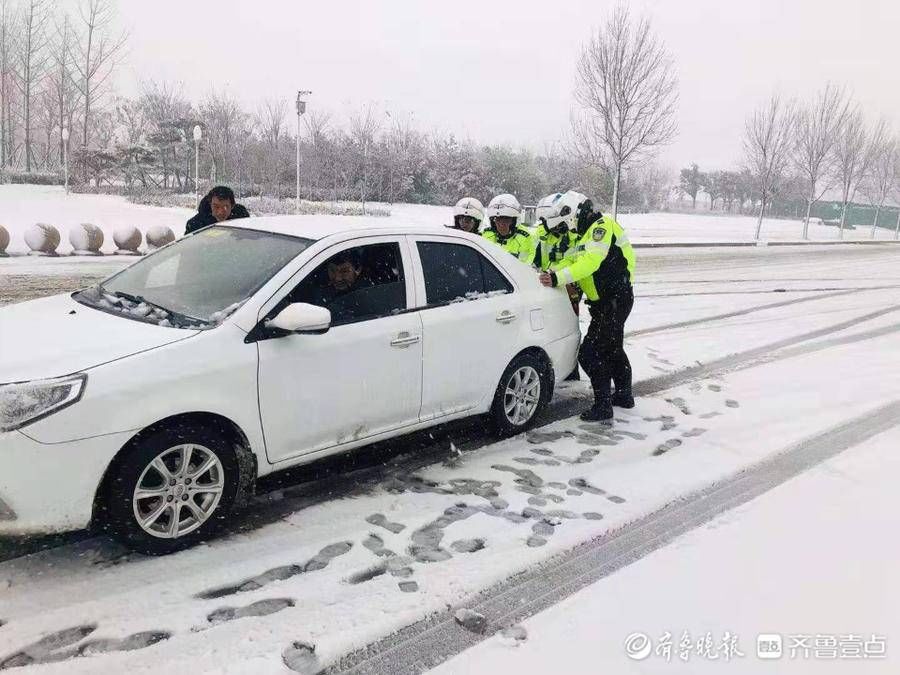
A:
(405, 339)
(506, 316)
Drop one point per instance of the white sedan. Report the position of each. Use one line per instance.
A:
(150, 403)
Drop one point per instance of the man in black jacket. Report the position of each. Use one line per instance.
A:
(216, 206)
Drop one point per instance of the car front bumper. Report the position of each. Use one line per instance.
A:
(50, 487)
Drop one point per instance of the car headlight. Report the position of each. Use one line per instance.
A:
(24, 402)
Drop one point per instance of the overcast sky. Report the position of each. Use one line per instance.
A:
(504, 71)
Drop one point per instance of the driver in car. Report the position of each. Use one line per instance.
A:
(345, 275)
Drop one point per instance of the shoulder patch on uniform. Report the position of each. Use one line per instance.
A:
(599, 234)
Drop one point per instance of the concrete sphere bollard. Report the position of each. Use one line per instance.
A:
(42, 239)
(86, 239)
(128, 239)
(4, 241)
(159, 235)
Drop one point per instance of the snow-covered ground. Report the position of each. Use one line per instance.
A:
(24, 205)
(813, 562)
(812, 337)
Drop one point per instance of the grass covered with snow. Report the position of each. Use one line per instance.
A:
(24, 205)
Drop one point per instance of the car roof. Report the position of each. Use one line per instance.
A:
(321, 226)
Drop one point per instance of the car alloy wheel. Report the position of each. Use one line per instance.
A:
(178, 491)
(522, 396)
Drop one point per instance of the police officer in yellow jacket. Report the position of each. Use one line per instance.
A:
(467, 215)
(503, 212)
(553, 244)
(602, 264)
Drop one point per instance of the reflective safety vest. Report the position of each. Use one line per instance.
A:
(519, 243)
(602, 260)
(552, 248)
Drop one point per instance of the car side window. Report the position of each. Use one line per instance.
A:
(454, 272)
(357, 284)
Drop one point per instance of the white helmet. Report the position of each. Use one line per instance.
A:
(545, 206)
(469, 206)
(564, 210)
(504, 205)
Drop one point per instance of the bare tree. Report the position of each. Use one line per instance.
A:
(243, 135)
(768, 134)
(221, 115)
(853, 154)
(98, 51)
(270, 120)
(8, 46)
(884, 176)
(628, 91)
(31, 65)
(690, 182)
(818, 126)
(61, 78)
(317, 127)
(170, 122)
(364, 126)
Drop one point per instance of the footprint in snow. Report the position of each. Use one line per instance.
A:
(376, 545)
(128, 644)
(57, 646)
(693, 433)
(467, 545)
(583, 485)
(259, 608)
(60, 646)
(731, 403)
(681, 404)
(367, 574)
(301, 658)
(380, 520)
(671, 444)
(317, 562)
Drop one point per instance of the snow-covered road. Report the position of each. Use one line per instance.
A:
(741, 353)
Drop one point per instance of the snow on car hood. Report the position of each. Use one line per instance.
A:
(56, 336)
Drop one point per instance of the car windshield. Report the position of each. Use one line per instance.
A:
(199, 280)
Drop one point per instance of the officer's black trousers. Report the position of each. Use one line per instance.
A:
(602, 354)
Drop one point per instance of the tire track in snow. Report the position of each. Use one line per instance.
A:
(433, 640)
(741, 312)
(757, 356)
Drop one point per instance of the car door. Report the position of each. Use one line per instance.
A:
(363, 376)
(471, 315)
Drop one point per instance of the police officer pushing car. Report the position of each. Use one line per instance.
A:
(602, 264)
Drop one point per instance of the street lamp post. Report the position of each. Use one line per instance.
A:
(301, 108)
(65, 140)
(198, 135)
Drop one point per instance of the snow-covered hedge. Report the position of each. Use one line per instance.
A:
(33, 177)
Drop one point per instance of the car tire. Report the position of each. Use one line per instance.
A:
(524, 391)
(174, 508)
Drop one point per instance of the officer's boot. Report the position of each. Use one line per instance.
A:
(623, 399)
(601, 411)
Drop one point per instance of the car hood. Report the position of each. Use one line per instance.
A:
(57, 336)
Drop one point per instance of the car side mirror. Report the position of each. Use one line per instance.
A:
(301, 317)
